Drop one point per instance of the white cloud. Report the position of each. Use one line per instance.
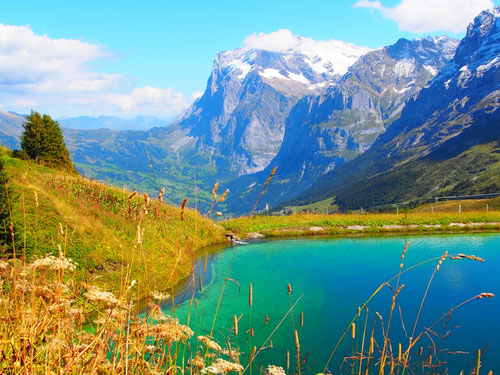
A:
(422, 16)
(338, 54)
(196, 95)
(59, 75)
(150, 98)
(277, 41)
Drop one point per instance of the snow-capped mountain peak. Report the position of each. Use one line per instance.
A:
(283, 56)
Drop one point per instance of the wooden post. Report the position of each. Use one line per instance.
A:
(397, 209)
(459, 208)
(432, 207)
(486, 207)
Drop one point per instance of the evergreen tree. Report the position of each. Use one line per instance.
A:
(43, 142)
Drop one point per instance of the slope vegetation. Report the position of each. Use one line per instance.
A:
(109, 232)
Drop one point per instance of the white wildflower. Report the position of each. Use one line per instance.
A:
(97, 295)
(209, 343)
(159, 296)
(53, 263)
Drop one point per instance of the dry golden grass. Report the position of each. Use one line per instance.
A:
(103, 315)
(105, 229)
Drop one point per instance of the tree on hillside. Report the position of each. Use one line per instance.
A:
(43, 142)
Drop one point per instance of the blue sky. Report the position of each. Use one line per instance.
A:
(150, 57)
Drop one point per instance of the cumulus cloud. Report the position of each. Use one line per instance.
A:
(422, 16)
(336, 53)
(152, 98)
(60, 75)
(277, 41)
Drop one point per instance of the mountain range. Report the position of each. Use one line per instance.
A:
(360, 127)
(323, 132)
(446, 142)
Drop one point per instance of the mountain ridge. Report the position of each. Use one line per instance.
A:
(456, 112)
(323, 132)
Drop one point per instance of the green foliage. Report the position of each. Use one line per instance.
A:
(376, 191)
(43, 142)
(97, 226)
(4, 207)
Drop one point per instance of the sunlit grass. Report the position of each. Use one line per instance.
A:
(305, 223)
(83, 293)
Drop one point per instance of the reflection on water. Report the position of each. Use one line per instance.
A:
(335, 276)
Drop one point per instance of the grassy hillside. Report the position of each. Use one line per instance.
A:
(475, 170)
(146, 161)
(107, 231)
(466, 205)
(310, 223)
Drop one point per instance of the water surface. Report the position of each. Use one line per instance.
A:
(335, 277)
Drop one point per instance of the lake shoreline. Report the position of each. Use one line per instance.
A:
(305, 224)
(375, 231)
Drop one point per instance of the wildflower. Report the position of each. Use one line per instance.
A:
(132, 284)
(209, 343)
(170, 330)
(222, 366)
(159, 296)
(158, 315)
(275, 370)
(97, 295)
(197, 362)
(55, 264)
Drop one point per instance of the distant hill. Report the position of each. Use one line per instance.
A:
(115, 123)
(10, 129)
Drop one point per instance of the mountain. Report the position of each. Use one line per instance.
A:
(115, 123)
(446, 142)
(235, 127)
(240, 118)
(10, 129)
(323, 132)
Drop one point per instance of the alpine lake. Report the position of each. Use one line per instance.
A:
(331, 278)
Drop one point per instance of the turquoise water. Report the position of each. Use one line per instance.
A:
(335, 276)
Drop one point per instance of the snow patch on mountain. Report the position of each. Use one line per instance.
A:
(322, 56)
(404, 68)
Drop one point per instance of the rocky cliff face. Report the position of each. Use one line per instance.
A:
(323, 132)
(457, 110)
(240, 118)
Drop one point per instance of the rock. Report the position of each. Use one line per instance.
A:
(461, 225)
(315, 229)
(357, 227)
(393, 227)
(255, 235)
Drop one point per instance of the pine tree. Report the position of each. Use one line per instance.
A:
(43, 142)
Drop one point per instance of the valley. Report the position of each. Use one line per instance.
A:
(321, 207)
